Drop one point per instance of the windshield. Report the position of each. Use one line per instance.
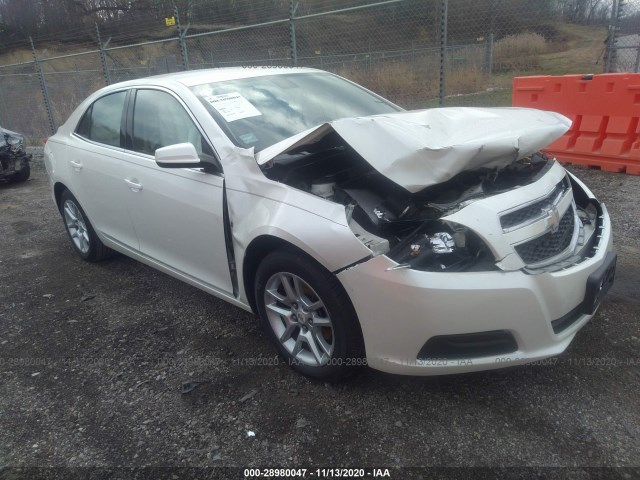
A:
(261, 111)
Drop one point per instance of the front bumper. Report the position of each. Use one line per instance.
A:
(13, 162)
(400, 310)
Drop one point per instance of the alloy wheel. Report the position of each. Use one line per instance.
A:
(299, 319)
(76, 226)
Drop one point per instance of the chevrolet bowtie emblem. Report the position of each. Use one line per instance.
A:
(553, 218)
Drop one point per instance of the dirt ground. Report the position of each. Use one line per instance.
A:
(94, 358)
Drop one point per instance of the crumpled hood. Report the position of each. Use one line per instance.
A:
(421, 148)
(7, 137)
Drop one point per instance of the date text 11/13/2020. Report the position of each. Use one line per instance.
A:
(357, 473)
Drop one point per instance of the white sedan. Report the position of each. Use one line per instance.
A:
(424, 242)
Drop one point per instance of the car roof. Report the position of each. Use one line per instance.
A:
(211, 75)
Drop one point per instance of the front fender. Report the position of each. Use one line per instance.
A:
(330, 243)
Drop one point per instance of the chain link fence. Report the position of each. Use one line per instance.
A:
(253, 45)
(623, 42)
(21, 102)
(128, 63)
(70, 80)
(418, 53)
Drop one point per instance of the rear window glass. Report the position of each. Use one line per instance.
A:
(101, 122)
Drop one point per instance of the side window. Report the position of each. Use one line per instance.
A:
(101, 121)
(84, 127)
(160, 120)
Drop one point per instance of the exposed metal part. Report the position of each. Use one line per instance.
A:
(442, 242)
(399, 267)
(323, 189)
(377, 245)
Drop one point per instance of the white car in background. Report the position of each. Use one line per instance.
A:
(425, 242)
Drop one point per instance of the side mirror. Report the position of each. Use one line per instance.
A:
(180, 155)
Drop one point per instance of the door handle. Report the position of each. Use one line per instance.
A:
(136, 187)
(76, 165)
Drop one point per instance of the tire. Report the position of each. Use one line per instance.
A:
(308, 316)
(21, 175)
(81, 233)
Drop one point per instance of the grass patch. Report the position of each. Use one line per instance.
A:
(465, 80)
(583, 52)
(399, 82)
(514, 47)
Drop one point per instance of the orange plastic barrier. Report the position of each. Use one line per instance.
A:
(605, 110)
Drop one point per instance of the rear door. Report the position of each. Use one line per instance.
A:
(96, 169)
(178, 212)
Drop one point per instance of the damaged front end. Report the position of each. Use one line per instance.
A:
(14, 161)
(434, 192)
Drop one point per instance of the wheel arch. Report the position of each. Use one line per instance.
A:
(255, 252)
(262, 246)
(58, 188)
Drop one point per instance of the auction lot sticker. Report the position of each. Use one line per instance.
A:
(232, 106)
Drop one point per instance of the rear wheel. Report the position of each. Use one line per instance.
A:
(308, 316)
(81, 232)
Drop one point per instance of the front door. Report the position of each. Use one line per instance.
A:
(177, 213)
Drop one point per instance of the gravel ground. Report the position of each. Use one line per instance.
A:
(94, 357)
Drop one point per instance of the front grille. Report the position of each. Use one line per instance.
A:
(533, 211)
(551, 243)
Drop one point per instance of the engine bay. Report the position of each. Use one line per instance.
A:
(390, 220)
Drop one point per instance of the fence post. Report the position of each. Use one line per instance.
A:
(43, 88)
(292, 33)
(183, 46)
(609, 63)
(490, 55)
(444, 7)
(103, 57)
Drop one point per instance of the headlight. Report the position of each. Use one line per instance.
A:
(443, 247)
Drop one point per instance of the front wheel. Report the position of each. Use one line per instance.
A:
(81, 232)
(308, 316)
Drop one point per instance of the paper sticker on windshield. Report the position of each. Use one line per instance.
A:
(232, 106)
